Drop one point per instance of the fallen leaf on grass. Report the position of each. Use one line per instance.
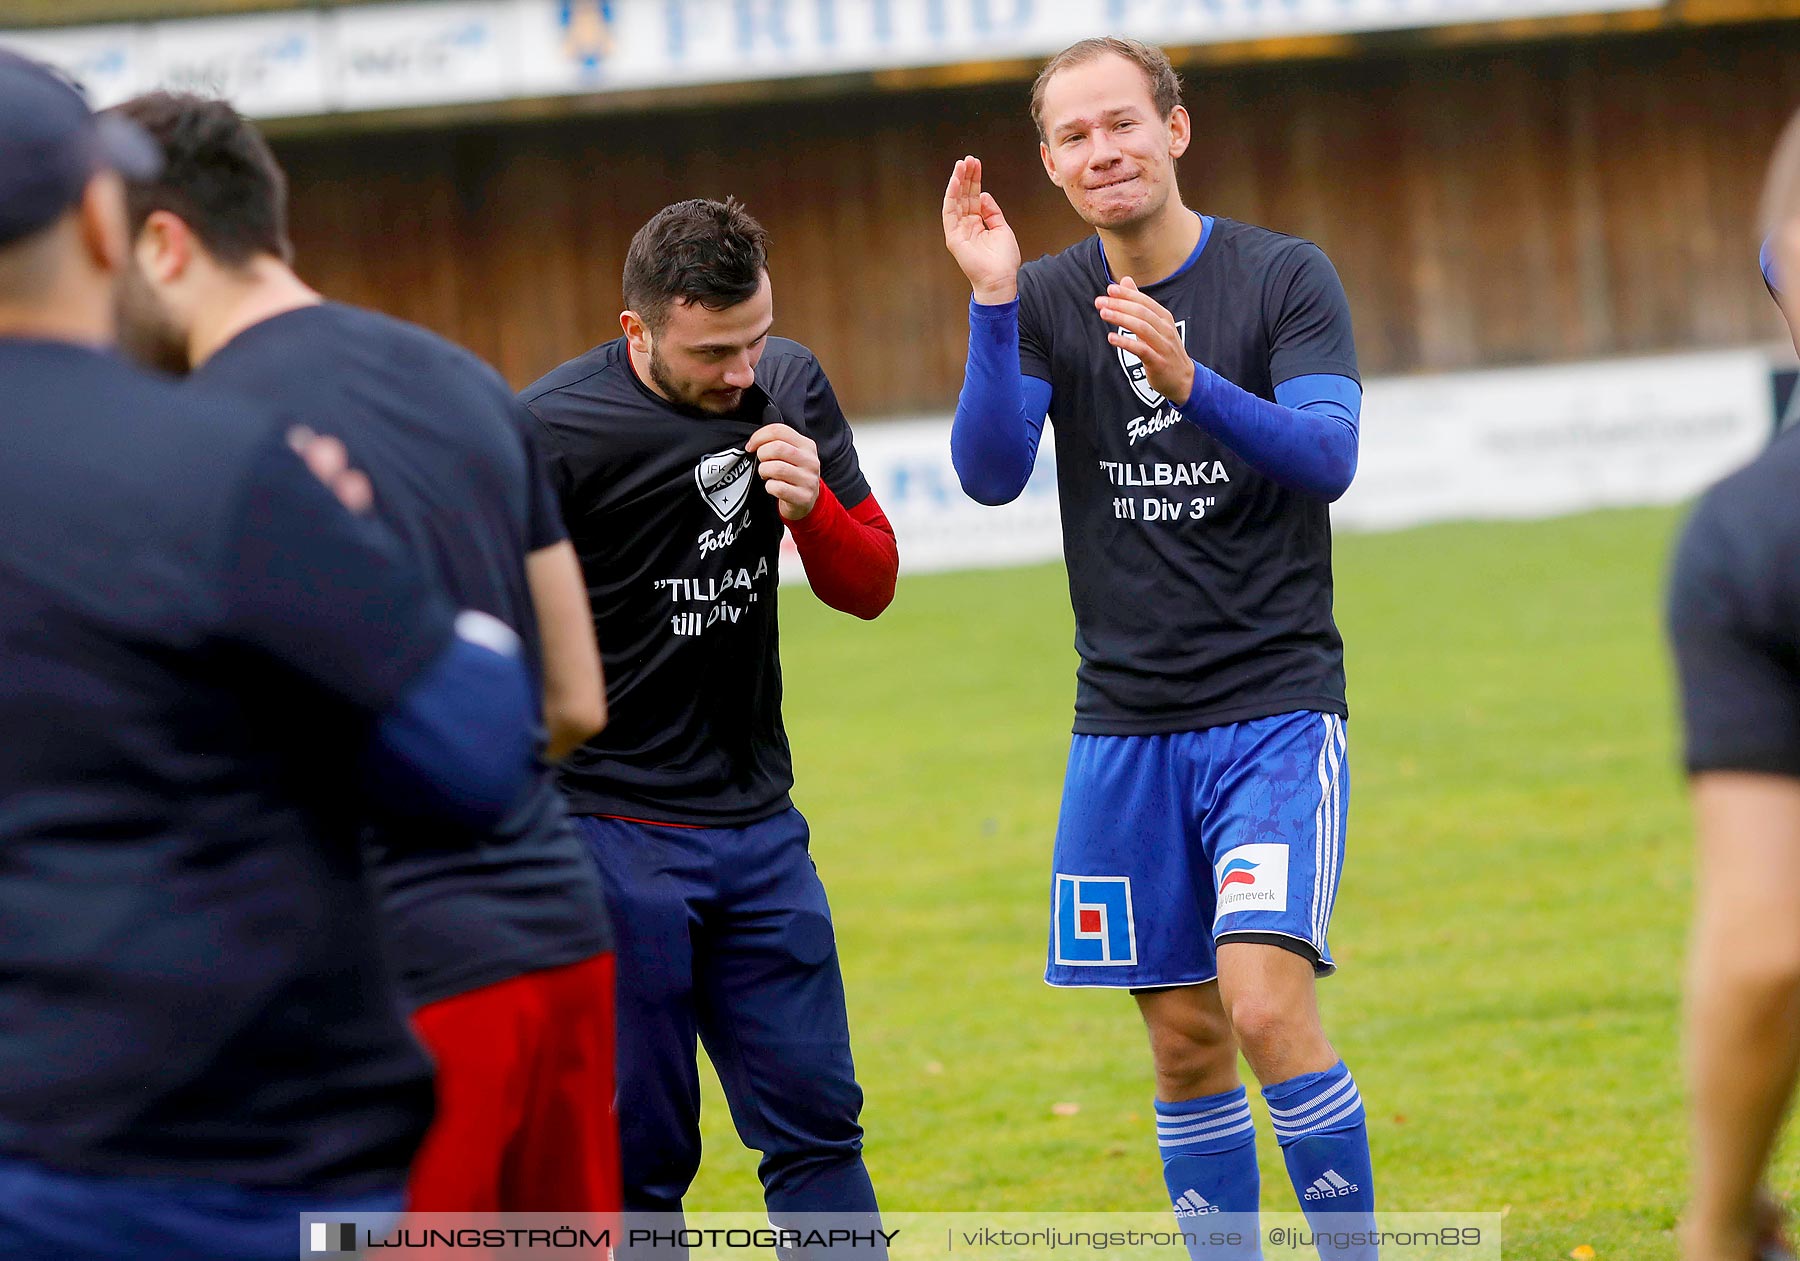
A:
(1584, 1252)
(1065, 1109)
(934, 1068)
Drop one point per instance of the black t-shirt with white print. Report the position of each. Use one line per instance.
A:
(1202, 589)
(680, 545)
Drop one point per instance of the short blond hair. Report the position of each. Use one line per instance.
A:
(1164, 83)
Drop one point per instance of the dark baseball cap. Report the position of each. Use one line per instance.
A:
(51, 144)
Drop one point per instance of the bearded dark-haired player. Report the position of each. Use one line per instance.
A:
(1202, 380)
(682, 450)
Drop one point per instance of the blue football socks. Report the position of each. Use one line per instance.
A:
(1209, 1163)
(1324, 1139)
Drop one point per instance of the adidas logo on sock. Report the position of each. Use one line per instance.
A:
(1330, 1186)
(1193, 1204)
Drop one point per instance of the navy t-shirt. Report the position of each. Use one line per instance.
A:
(680, 545)
(457, 475)
(191, 977)
(1734, 619)
(1202, 589)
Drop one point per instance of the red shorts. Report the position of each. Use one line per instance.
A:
(525, 1118)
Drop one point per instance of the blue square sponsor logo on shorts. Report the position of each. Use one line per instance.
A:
(1093, 921)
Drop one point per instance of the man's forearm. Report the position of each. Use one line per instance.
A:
(574, 690)
(1307, 440)
(851, 557)
(994, 439)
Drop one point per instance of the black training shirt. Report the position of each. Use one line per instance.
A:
(1202, 589)
(191, 980)
(1734, 619)
(457, 474)
(680, 544)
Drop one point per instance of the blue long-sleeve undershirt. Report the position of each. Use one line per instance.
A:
(1306, 440)
(1000, 412)
(458, 744)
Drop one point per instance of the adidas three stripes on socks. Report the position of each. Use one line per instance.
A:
(1324, 1137)
(1209, 1163)
(1209, 1158)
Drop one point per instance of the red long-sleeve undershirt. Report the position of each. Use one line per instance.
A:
(850, 554)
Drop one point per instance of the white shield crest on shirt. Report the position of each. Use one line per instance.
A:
(1134, 369)
(724, 479)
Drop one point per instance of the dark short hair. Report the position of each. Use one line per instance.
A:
(710, 252)
(1164, 83)
(218, 177)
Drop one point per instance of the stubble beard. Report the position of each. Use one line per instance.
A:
(148, 332)
(685, 395)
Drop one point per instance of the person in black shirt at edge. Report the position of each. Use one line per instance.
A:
(501, 938)
(681, 451)
(1734, 622)
(209, 671)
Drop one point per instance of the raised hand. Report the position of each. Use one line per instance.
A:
(1143, 326)
(977, 236)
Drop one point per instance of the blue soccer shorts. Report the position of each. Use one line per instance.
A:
(1170, 844)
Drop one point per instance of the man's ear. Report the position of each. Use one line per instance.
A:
(1049, 166)
(166, 247)
(637, 332)
(1181, 131)
(103, 230)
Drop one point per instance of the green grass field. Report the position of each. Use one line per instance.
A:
(1510, 923)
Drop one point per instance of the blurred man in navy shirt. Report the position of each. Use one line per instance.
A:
(500, 937)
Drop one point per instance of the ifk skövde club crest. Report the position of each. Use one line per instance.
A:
(724, 479)
(1134, 370)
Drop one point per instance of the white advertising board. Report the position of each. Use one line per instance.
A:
(1538, 442)
(267, 65)
(1515, 443)
(393, 55)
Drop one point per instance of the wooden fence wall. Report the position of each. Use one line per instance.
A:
(1484, 206)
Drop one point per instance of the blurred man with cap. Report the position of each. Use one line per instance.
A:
(210, 672)
(59, 187)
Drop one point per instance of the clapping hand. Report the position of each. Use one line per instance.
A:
(1144, 327)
